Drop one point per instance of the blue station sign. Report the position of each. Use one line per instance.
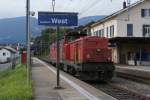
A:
(57, 19)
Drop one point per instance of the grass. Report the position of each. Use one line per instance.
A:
(13, 84)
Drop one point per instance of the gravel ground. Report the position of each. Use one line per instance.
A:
(134, 86)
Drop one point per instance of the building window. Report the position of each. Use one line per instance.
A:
(97, 33)
(146, 30)
(94, 33)
(145, 12)
(130, 56)
(101, 33)
(107, 32)
(4, 54)
(129, 29)
(111, 31)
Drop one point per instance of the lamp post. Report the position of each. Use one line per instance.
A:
(58, 52)
(28, 38)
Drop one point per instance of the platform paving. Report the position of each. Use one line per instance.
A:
(44, 82)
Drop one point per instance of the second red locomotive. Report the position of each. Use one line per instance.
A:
(87, 57)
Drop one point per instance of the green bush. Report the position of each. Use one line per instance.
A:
(13, 84)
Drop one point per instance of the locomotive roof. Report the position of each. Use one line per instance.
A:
(88, 37)
(76, 34)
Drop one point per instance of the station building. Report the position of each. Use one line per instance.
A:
(128, 31)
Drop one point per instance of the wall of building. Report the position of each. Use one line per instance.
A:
(115, 55)
(104, 26)
(3, 58)
(134, 18)
(120, 22)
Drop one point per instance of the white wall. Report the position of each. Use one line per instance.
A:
(120, 22)
(104, 26)
(4, 58)
(135, 19)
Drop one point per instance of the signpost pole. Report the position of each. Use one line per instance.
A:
(57, 19)
(28, 39)
(58, 59)
(58, 51)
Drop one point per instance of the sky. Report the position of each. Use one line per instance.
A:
(17, 8)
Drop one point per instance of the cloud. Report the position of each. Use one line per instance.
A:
(14, 8)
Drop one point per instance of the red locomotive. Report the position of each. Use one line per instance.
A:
(87, 57)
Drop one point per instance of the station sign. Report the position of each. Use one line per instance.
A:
(57, 19)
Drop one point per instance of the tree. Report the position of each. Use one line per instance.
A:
(48, 36)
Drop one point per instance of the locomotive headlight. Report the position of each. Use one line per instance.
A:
(109, 59)
(98, 50)
(88, 56)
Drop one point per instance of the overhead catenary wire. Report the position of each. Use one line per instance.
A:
(83, 7)
(79, 4)
(96, 3)
(89, 7)
(53, 5)
(67, 4)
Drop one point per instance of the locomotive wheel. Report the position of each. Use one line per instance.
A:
(108, 76)
(72, 71)
(61, 66)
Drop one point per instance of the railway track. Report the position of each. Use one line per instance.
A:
(133, 78)
(116, 91)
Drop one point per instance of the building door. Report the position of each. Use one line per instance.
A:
(129, 29)
(122, 59)
(146, 30)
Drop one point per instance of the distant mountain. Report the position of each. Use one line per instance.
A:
(13, 30)
(86, 20)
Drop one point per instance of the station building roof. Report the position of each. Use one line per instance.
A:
(140, 40)
(117, 13)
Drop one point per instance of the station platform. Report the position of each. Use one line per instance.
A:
(44, 81)
(141, 71)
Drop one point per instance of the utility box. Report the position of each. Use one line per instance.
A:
(23, 57)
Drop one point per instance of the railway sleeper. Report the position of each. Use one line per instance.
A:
(93, 76)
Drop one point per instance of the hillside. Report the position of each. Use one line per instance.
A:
(13, 30)
(86, 20)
